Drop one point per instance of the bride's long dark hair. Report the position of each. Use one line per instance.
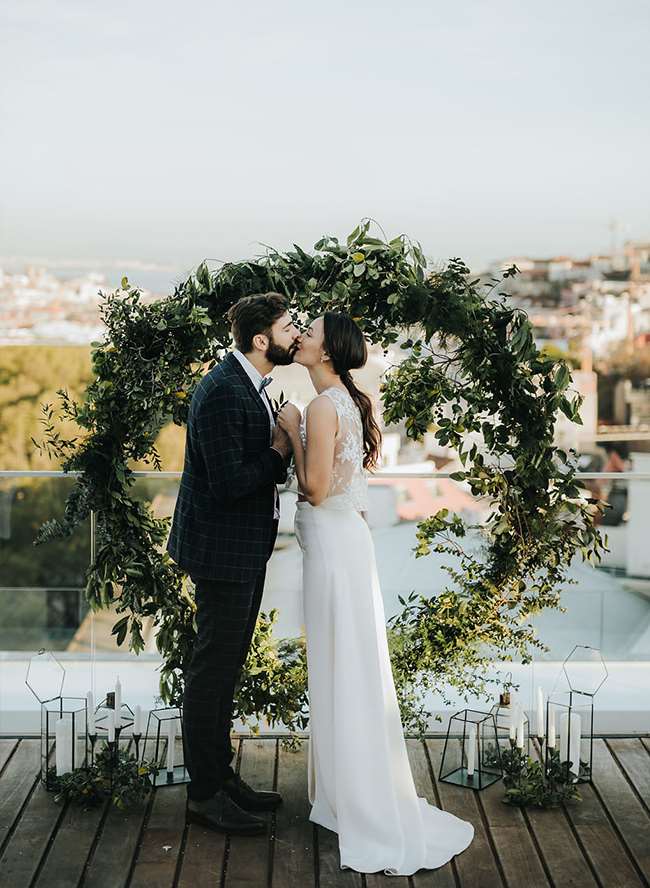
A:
(345, 344)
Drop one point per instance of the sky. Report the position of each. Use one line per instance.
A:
(173, 132)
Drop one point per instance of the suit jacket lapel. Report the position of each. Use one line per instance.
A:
(248, 382)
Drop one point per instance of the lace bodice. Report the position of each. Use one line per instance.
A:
(348, 485)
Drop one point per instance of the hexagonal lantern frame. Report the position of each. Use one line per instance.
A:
(571, 678)
(576, 712)
(53, 690)
(55, 708)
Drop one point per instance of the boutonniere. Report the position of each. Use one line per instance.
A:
(277, 404)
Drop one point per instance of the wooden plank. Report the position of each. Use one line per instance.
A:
(558, 844)
(563, 857)
(16, 783)
(121, 830)
(37, 838)
(249, 856)
(329, 862)
(66, 859)
(513, 842)
(599, 841)
(293, 851)
(476, 865)
(634, 759)
(625, 809)
(443, 877)
(6, 749)
(158, 852)
(203, 857)
(38, 823)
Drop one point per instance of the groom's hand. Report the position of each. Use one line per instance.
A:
(281, 442)
(289, 419)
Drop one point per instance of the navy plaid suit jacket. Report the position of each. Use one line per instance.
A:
(223, 521)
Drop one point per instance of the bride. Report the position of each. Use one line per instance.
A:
(359, 779)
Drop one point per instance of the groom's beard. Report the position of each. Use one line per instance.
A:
(277, 355)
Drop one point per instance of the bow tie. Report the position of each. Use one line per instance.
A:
(266, 380)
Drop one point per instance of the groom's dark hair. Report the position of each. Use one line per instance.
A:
(254, 314)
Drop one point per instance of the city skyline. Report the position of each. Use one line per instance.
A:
(170, 137)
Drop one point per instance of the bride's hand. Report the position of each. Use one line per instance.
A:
(289, 418)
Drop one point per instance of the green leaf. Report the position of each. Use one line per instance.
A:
(562, 377)
(353, 235)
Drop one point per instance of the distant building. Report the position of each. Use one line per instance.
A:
(637, 254)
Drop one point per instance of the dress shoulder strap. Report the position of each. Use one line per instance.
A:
(338, 397)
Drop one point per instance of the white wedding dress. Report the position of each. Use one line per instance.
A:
(359, 778)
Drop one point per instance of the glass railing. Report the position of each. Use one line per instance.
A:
(42, 602)
(41, 588)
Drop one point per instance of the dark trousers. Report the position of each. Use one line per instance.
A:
(226, 614)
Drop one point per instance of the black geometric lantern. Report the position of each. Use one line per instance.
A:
(471, 756)
(570, 714)
(63, 719)
(167, 724)
(511, 725)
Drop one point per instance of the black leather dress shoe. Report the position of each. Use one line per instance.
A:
(222, 814)
(248, 798)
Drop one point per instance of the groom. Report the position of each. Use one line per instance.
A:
(223, 531)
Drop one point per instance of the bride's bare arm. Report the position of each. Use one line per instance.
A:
(314, 465)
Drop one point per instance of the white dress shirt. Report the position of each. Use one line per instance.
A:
(256, 378)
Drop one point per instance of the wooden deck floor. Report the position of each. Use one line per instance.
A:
(602, 841)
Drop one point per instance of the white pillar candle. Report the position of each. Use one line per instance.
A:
(471, 748)
(540, 712)
(514, 711)
(551, 727)
(71, 743)
(570, 746)
(63, 747)
(118, 703)
(111, 725)
(137, 719)
(171, 736)
(90, 705)
(520, 731)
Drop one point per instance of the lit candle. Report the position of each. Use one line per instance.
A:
(540, 712)
(63, 747)
(90, 705)
(171, 735)
(570, 746)
(111, 726)
(137, 719)
(551, 727)
(118, 703)
(520, 731)
(471, 748)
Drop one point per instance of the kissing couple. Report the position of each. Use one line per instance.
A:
(223, 532)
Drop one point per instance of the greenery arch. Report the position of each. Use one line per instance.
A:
(473, 367)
